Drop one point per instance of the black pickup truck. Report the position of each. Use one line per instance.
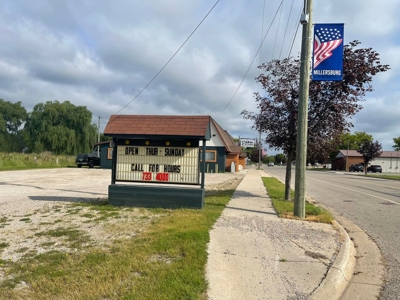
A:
(87, 159)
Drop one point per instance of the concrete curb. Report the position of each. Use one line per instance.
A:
(340, 272)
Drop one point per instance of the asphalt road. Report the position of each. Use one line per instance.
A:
(372, 204)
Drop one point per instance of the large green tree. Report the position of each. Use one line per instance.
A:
(12, 117)
(353, 141)
(331, 103)
(60, 128)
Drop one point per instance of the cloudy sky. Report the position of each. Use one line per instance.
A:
(101, 54)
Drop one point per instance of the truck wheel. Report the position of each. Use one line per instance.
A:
(91, 164)
(79, 166)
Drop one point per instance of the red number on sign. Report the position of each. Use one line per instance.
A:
(162, 176)
(146, 176)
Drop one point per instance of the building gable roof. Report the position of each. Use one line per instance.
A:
(158, 126)
(227, 139)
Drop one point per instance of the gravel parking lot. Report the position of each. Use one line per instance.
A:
(36, 204)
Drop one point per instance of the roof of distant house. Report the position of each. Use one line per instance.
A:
(354, 153)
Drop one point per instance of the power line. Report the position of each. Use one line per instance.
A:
(287, 25)
(244, 77)
(277, 31)
(262, 29)
(155, 76)
(295, 34)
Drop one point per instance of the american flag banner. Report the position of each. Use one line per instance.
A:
(328, 52)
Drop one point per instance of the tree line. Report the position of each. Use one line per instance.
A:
(61, 128)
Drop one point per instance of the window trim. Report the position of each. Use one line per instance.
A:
(109, 153)
(209, 151)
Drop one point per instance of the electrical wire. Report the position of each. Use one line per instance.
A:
(155, 76)
(245, 75)
(277, 31)
(295, 34)
(262, 30)
(287, 25)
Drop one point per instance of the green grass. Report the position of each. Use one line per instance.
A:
(284, 208)
(165, 261)
(3, 245)
(319, 169)
(27, 220)
(20, 161)
(392, 177)
(73, 238)
(4, 219)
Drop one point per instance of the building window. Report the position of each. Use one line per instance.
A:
(109, 153)
(211, 155)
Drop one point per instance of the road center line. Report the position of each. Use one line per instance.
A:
(342, 187)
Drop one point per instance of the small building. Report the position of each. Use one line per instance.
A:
(158, 156)
(221, 149)
(105, 152)
(389, 160)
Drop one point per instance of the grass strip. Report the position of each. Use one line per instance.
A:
(21, 161)
(285, 208)
(165, 261)
(392, 177)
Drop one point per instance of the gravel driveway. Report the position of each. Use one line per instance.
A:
(36, 204)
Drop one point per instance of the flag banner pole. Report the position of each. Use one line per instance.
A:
(328, 52)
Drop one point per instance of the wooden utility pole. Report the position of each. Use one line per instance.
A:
(302, 122)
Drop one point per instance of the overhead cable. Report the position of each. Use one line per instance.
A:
(287, 25)
(245, 75)
(155, 76)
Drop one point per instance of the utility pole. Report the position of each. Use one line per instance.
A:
(302, 122)
(98, 137)
(259, 150)
(347, 155)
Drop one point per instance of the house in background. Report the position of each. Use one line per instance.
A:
(105, 152)
(221, 149)
(389, 160)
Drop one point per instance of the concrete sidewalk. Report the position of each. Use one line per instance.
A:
(254, 254)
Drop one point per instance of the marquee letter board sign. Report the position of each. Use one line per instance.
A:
(174, 161)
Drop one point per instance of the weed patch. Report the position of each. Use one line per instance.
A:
(3, 245)
(73, 236)
(27, 220)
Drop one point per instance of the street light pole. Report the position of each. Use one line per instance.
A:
(301, 144)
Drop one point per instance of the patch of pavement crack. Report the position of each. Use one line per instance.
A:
(314, 255)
